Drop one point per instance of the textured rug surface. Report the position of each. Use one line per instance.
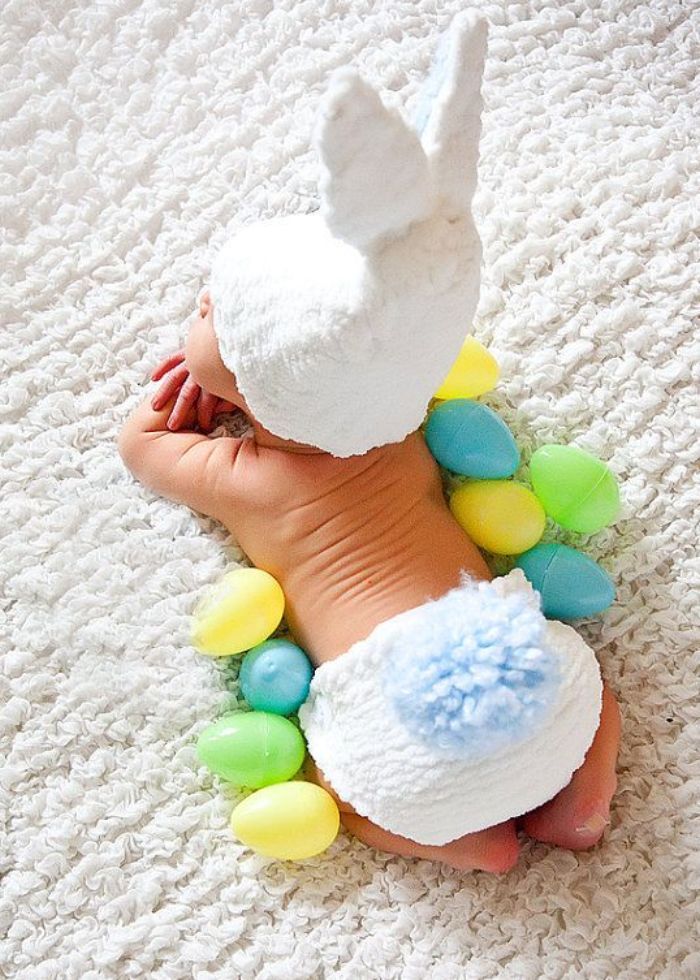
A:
(134, 134)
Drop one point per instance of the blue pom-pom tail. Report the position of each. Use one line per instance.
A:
(478, 676)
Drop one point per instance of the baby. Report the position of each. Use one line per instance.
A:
(353, 542)
(331, 331)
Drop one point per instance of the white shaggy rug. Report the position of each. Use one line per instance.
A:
(134, 133)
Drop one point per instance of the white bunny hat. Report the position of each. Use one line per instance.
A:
(340, 325)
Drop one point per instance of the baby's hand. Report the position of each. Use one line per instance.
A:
(189, 395)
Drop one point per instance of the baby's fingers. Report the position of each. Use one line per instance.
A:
(206, 408)
(185, 402)
(223, 406)
(172, 384)
(170, 362)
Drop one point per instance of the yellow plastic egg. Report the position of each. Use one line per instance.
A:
(500, 516)
(473, 373)
(242, 610)
(288, 821)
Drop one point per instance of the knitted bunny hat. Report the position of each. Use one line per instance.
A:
(340, 325)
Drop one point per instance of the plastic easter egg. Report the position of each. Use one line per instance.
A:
(571, 584)
(289, 821)
(275, 676)
(252, 748)
(576, 489)
(469, 438)
(473, 373)
(500, 516)
(242, 610)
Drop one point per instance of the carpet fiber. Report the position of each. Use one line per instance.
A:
(134, 134)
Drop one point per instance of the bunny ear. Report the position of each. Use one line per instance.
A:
(375, 177)
(449, 115)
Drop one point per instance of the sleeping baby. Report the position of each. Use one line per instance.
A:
(445, 712)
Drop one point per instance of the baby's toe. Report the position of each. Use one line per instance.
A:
(577, 826)
(577, 816)
(496, 849)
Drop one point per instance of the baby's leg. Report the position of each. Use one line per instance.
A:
(577, 816)
(495, 849)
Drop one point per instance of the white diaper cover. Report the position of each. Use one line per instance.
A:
(456, 715)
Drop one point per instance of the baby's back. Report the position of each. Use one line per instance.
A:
(352, 541)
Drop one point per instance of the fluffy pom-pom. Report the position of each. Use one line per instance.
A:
(479, 676)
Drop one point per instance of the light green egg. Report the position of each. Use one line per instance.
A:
(252, 748)
(577, 490)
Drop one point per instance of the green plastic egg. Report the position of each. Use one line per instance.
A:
(252, 748)
(289, 821)
(577, 490)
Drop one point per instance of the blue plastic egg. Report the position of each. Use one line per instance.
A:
(468, 438)
(275, 676)
(571, 584)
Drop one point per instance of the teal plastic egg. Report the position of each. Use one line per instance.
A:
(576, 489)
(275, 676)
(468, 438)
(571, 584)
(252, 748)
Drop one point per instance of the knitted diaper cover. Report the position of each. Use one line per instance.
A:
(455, 715)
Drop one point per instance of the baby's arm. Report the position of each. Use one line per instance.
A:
(187, 467)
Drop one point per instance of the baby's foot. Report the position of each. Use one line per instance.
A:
(495, 849)
(577, 816)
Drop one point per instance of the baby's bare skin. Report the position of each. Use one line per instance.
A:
(353, 542)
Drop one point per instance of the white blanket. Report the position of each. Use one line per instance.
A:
(133, 134)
